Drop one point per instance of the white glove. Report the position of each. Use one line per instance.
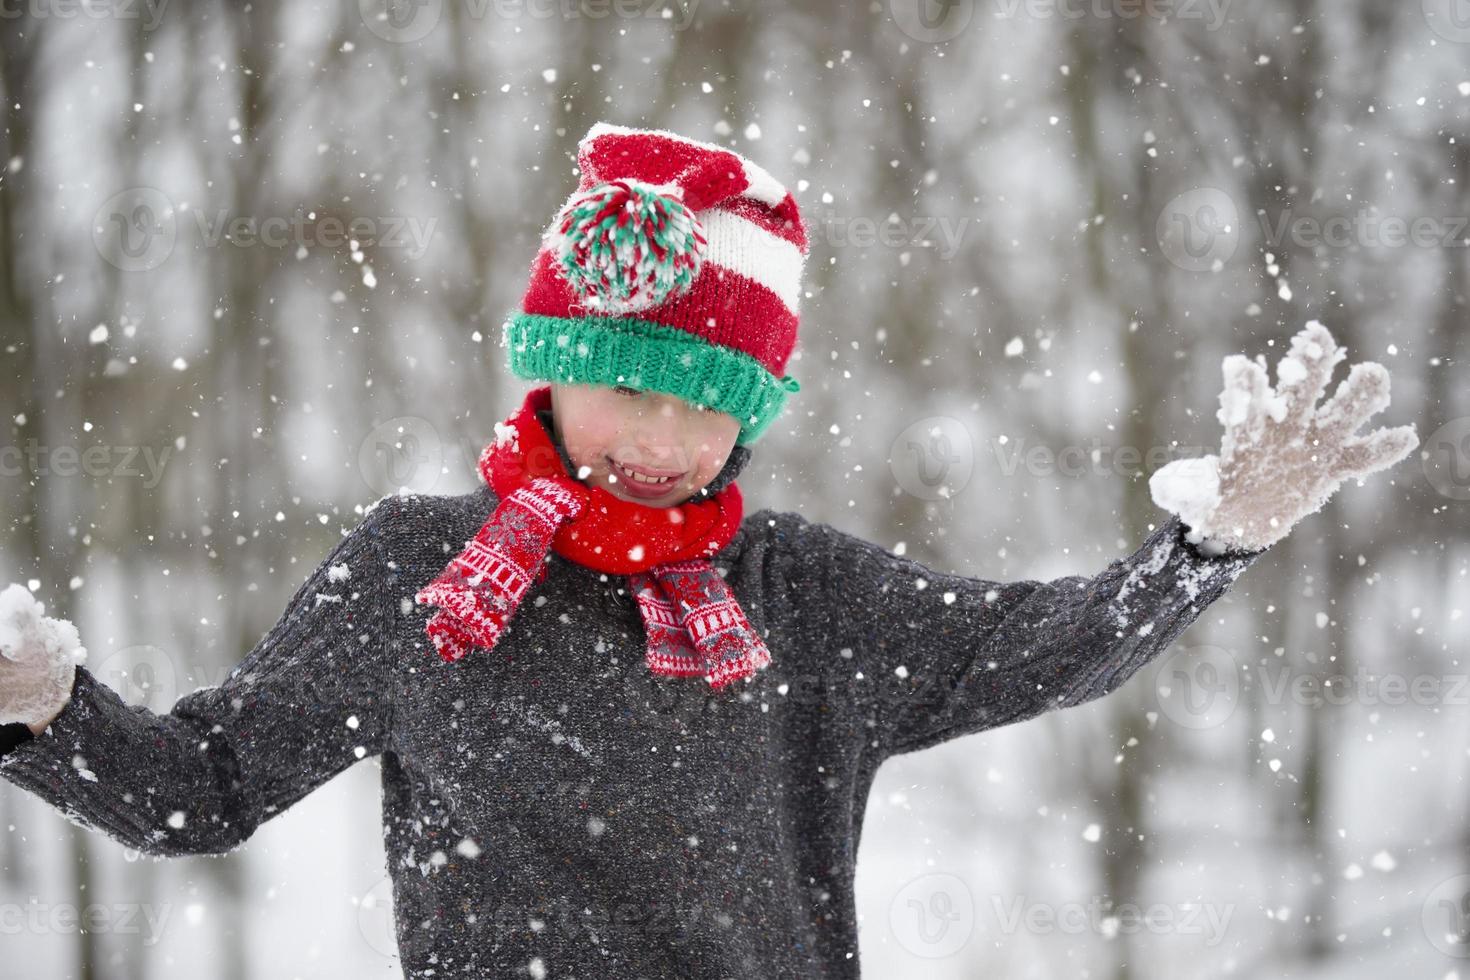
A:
(1280, 459)
(38, 659)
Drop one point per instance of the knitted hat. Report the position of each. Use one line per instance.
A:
(676, 267)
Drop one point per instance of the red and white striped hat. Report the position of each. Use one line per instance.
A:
(675, 266)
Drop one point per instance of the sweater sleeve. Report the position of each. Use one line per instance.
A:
(940, 656)
(311, 698)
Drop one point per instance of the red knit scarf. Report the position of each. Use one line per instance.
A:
(693, 622)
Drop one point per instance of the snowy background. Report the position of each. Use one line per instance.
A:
(1037, 226)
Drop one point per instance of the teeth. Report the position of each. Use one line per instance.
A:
(640, 478)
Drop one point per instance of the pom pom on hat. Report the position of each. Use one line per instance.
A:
(675, 262)
(627, 245)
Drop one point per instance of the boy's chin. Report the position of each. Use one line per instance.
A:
(674, 500)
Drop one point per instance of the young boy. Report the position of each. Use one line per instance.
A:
(624, 729)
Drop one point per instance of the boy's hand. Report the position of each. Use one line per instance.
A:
(38, 658)
(1281, 457)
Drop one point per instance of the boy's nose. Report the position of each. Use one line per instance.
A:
(656, 438)
(654, 454)
(662, 461)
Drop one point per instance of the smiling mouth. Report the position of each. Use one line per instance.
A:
(641, 479)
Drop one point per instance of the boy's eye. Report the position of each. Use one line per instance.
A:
(627, 390)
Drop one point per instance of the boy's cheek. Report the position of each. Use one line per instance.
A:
(710, 467)
(586, 448)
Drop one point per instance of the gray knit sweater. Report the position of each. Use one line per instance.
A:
(553, 809)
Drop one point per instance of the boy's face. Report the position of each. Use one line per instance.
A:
(613, 430)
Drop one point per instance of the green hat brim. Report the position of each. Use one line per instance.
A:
(649, 356)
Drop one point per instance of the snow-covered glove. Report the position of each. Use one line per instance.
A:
(38, 659)
(1281, 457)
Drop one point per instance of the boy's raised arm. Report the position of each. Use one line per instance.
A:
(951, 655)
(311, 698)
(948, 655)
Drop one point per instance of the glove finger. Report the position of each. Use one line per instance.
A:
(1363, 393)
(1244, 402)
(1378, 450)
(1302, 374)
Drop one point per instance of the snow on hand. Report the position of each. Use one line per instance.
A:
(1191, 487)
(24, 626)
